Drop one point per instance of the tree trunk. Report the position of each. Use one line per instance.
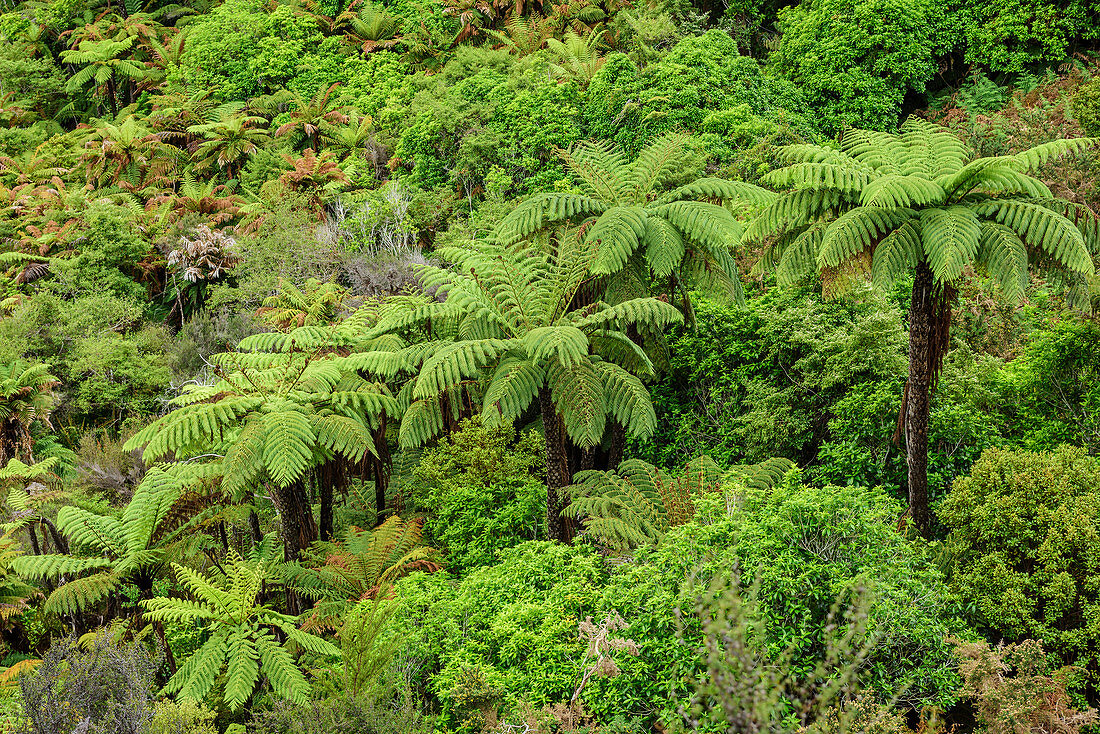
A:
(919, 394)
(557, 466)
(328, 476)
(299, 528)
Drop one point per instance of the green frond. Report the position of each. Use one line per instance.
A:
(896, 254)
(799, 257)
(765, 475)
(422, 421)
(792, 210)
(950, 238)
(578, 395)
(857, 230)
(81, 594)
(1039, 155)
(636, 311)
(242, 669)
(543, 210)
(288, 441)
(627, 400)
(286, 679)
(721, 190)
(840, 173)
(615, 236)
(456, 362)
(563, 345)
(899, 192)
(53, 566)
(342, 435)
(1043, 229)
(664, 247)
(1005, 257)
(512, 389)
(654, 163)
(195, 677)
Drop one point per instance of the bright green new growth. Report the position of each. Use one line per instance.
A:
(920, 195)
(633, 227)
(108, 551)
(242, 641)
(638, 503)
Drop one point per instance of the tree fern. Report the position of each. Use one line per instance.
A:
(521, 337)
(240, 642)
(917, 201)
(362, 567)
(638, 503)
(623, 210)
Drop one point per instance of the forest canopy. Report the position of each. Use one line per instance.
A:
(606, 366)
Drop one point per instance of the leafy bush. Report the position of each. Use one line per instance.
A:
(1053, 393)
(343, 714)
(107, 683)
(482, 491)
(855, 60)
(806, 548)
(1023, 551)
(181, 717)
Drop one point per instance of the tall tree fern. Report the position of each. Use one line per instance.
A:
(918, 202)
(636, 227)
(637, 503)
(280, 409)
(26, 397)
(517, 332)
(242, 642)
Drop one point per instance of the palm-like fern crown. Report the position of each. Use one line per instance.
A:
(638, 503)
(26, 396)
(512, 323)
(921, 196)
(107, 550)
(241, 642)
(368, 561)
(277, 412)
(316, 304)
(631, 225)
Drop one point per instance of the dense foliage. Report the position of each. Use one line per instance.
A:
(431, 366)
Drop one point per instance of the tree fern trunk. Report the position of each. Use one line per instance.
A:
(327, 478)
(299, 528)
(557, 465)
(919, 394)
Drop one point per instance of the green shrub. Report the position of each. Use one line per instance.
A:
(855, 60)
(482, 491)
(181, 717)
(1011, 36)
(1053, 393)
(1086, 106)
(1023, 543)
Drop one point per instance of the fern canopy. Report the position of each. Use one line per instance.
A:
(627, 218)
(636, 504)
(920, 196)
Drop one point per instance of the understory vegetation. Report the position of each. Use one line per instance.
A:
(606, 366)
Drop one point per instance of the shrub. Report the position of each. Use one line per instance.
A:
(855, 60)
(1023, 539)
(1013, 689)
(343, 714)
(181, 717)
(107, 683)
(482, 491)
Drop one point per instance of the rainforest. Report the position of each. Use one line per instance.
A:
(562, 366)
